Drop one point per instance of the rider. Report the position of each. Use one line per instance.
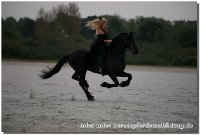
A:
(98, 47)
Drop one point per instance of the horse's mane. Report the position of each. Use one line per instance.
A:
(116, 38)
(119, 35)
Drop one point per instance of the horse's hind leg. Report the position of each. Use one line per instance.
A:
(76, 76)
(84, 85)
(127, 82)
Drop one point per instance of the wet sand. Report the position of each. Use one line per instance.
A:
(58, 105)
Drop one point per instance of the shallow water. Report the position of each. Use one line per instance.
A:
(155, 95)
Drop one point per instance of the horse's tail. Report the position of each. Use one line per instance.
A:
(45, 74)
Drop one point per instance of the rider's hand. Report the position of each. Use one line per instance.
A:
(108, 41)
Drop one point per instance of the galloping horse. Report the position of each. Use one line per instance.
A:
(113, 65)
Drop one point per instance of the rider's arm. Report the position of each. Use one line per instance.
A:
(108, 41)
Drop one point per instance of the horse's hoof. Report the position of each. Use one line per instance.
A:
(124, 84)
(104, 84)
(91, 98)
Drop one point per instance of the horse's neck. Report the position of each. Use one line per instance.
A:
(118, 51)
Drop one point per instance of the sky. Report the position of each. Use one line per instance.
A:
(129, 9)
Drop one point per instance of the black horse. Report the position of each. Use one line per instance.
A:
(113, 65)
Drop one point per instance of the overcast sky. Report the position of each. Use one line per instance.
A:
(167, 10)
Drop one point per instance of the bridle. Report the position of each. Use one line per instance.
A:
(129, 42)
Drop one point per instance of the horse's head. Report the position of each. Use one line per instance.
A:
(128, 41)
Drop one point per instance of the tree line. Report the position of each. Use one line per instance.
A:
(61, 30)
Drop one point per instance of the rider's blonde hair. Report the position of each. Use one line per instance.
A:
(96, 23)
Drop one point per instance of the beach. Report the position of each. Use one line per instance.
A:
(156, 95)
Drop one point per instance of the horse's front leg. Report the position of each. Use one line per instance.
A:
(114, 78)
(127, 82)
